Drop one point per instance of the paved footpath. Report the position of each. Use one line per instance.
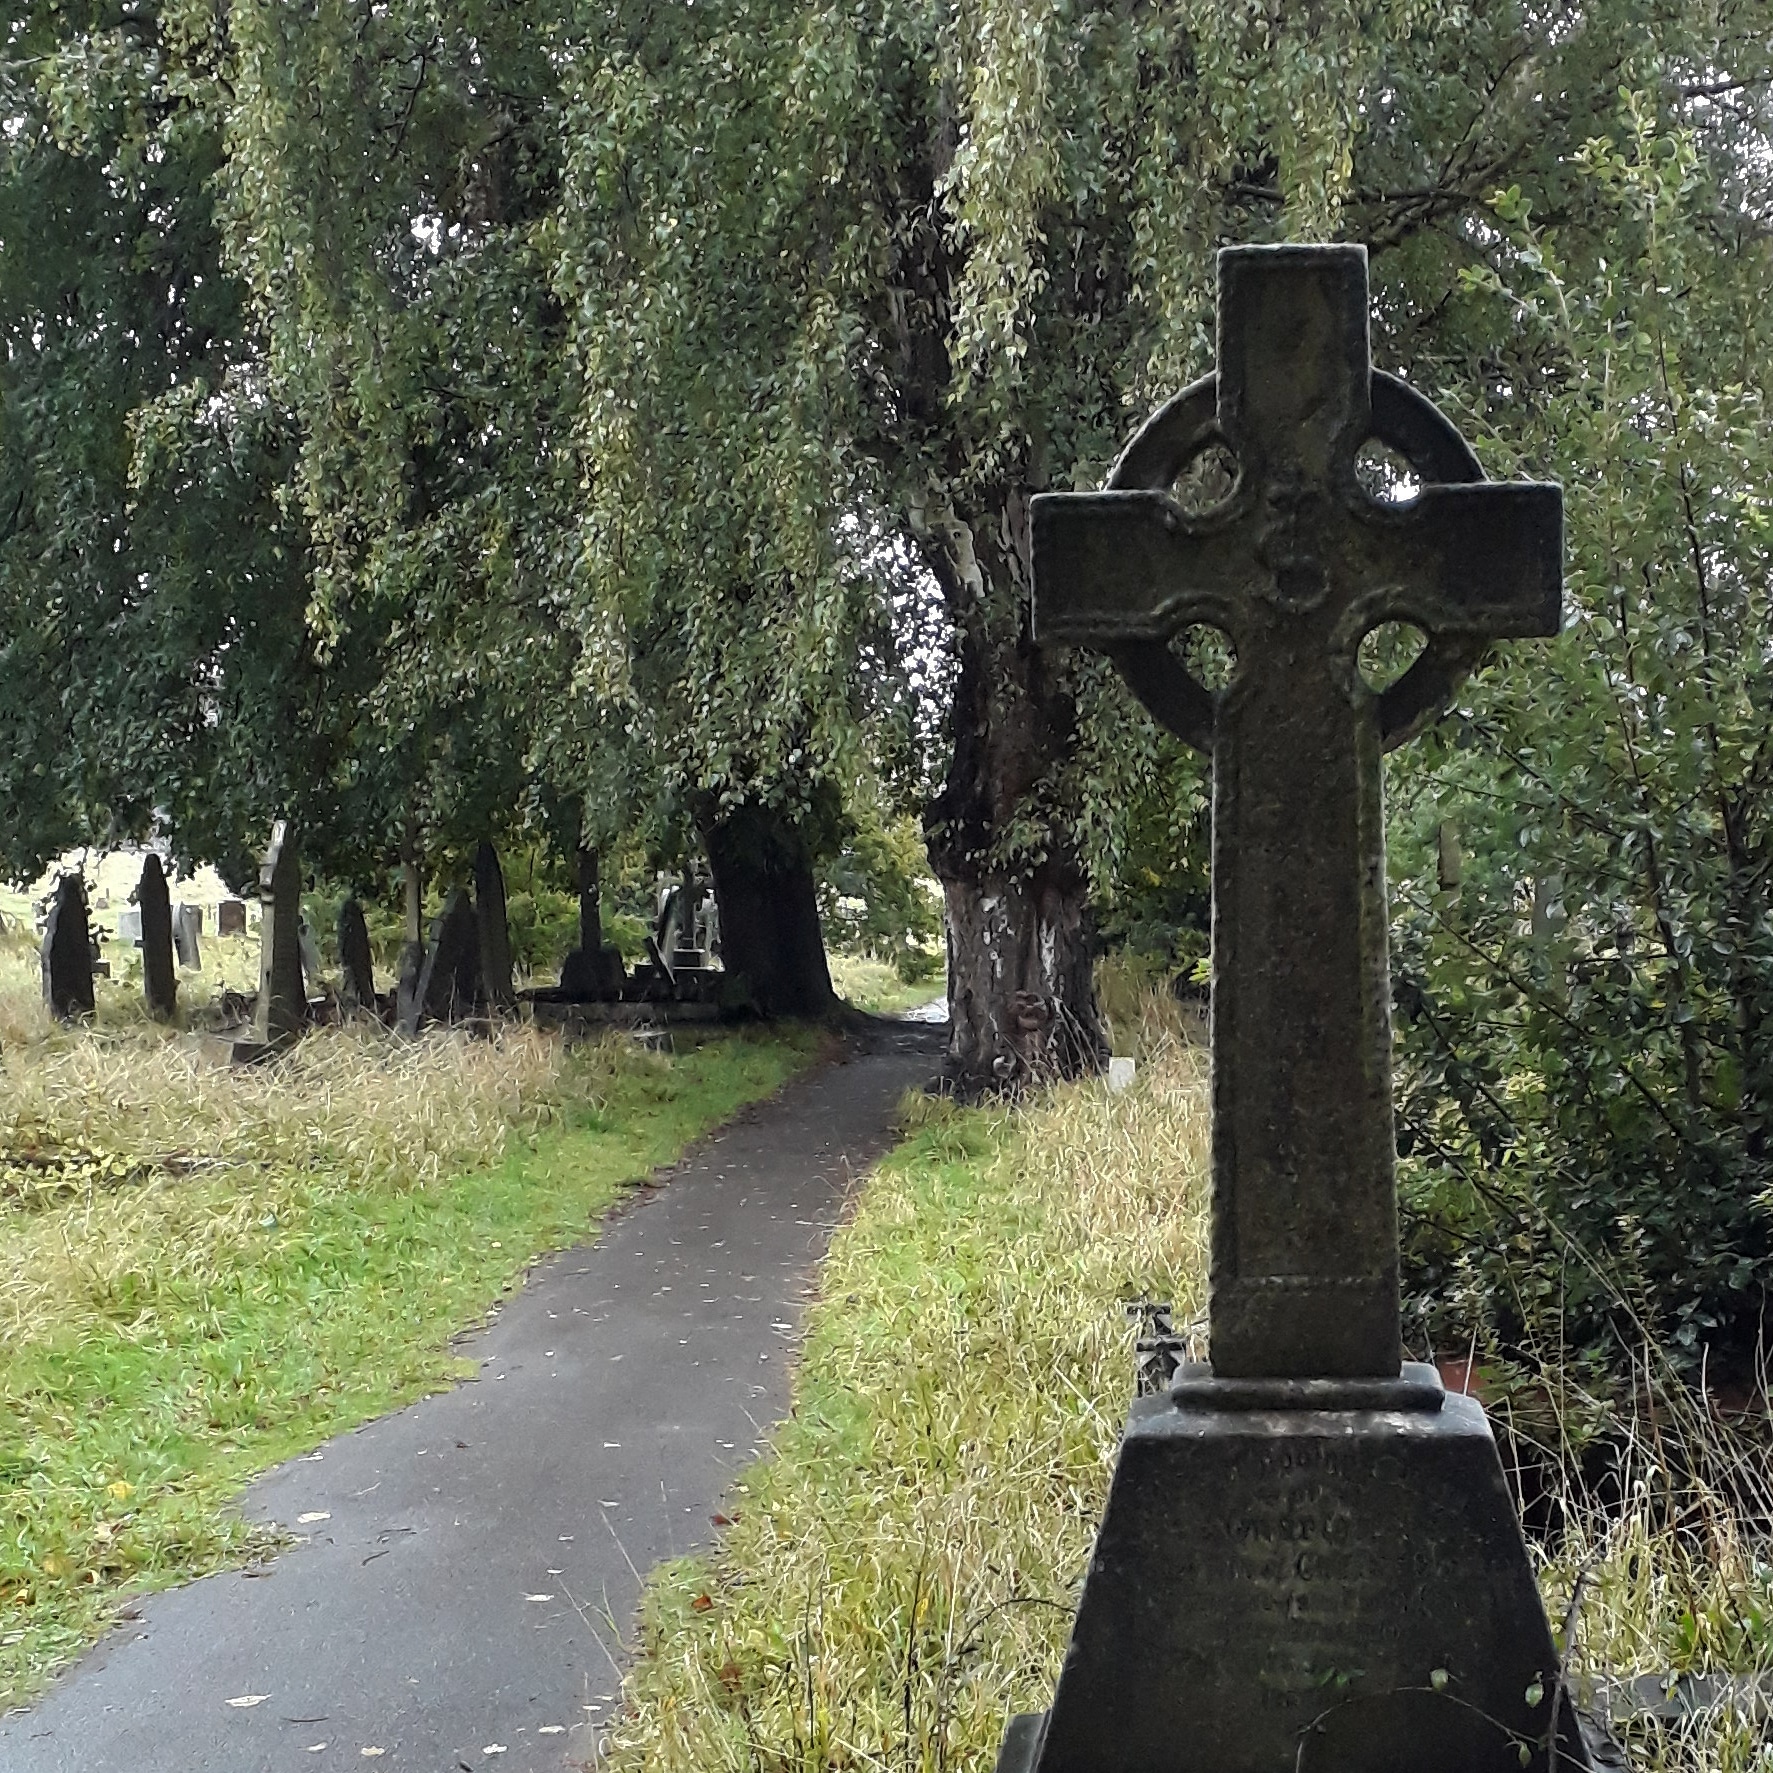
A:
(472, 1565)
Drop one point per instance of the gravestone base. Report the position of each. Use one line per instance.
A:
(1295, 1590)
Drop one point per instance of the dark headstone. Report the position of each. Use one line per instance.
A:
(283, 999)
(230, 918)
(357, 983)
(160, 985)
(494, 927)
(449, 987)
(67, 952)
(187, 926)
(601, 975)
(1305, 1527)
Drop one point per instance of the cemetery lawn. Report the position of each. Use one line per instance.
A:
(898, 1575)
(205, 1271)
(876, 987)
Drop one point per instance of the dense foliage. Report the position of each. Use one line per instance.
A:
(590, 423)
(1584, 1011)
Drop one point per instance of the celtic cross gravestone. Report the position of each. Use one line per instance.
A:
(1309, 1558)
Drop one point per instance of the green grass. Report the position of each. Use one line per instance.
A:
(874, 986)
(298, 1266)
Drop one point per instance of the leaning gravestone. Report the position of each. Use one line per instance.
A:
(67, 952)
(230, 918)
(1308, 1558)
(449, 985)
(357, 980)
(160, 985)
(494, 927)
(283, 999)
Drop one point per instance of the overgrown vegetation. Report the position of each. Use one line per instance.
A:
(206, 1270)
(900, 1572)
(1584, 949)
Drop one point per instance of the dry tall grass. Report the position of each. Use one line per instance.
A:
(346, 1111)
(900, 1573)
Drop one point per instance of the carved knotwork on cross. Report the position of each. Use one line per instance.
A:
(1296, 565)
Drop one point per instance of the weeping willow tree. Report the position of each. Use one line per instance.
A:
(846, 275)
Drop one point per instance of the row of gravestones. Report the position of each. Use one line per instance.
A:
(164, 932)
(463, 969)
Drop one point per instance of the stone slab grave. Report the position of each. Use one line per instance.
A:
(66, 954)
(1309, 1558)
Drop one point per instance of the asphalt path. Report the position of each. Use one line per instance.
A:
(465, 1577)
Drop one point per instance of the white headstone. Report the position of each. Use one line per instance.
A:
(129, 924)
(187, 920)
(1121, 1073)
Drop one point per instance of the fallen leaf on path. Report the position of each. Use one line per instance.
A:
(702, 1603)
(314, 1748)
(538, 1597)
(370, 1753)
(493, 1748)
(723, 1520)
(313, 1515)
(551, 1729)
(247, 1699)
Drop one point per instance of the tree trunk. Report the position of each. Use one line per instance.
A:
(770, 942)
(590, 874)
(1021, 995)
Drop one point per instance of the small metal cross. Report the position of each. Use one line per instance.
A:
(1296, 566)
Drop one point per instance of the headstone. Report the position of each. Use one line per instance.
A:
(594, 969)
(160, 985)
(230, 918)
(494, 927)
(67, 952)
(187, 926)
(1308, 1557)
(129, 925)
(309, 950)
(283, 999)
(449, 985)
(357, 983)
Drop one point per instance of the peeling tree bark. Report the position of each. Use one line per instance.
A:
(1021, 996)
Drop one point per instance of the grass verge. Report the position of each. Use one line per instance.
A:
(901, 1570)
(204, 1271)
(876, 987)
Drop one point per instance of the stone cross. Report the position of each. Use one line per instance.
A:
(1295, 566)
